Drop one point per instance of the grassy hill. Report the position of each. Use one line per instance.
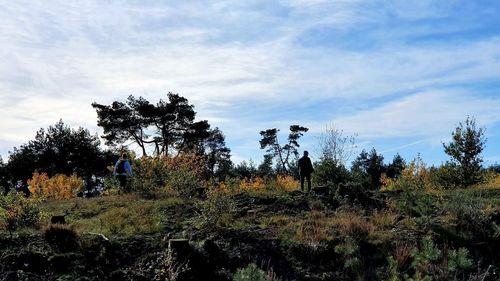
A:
(333, 233)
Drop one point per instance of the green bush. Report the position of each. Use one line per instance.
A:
(327, 172)
(17, 211)
(250, 273)
(217, 209)
(417, 203)
(467, 210)
(458, 260)
(184, 181)
(150, 175)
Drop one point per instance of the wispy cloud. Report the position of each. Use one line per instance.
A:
(374, 67)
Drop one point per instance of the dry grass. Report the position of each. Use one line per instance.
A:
(352, 224)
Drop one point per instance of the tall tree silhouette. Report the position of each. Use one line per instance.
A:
(168, 125)
(282, 153)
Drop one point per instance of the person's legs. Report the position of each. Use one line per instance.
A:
(301, 182)
(308, 177)
(123, 181)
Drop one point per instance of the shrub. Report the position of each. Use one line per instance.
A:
(57, 187)
(252, 184)
(250, 273)
(182, 173)
(285, 183)
(63, 237)
(458, 260)
(327, 172)
(17, 211)
(467, 211)
(150, 175)
(491, 180)
(166, 267)
(351, 192)
(217, 209)
(417, 204)
(415, 176)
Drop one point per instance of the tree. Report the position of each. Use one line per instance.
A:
(122, 122)
(369, 166)
(282, 153)
(59, 150)
(168, 125)
(335, 147)
(265, 168)
(4, 184)
(215, 152)
(396, 167)
(468, 141)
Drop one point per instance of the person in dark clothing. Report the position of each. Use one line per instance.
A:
(123, 170)
(305, 171)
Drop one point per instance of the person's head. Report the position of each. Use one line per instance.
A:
(306, 153)
(123, 155)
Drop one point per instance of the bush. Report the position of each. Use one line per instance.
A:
(217, 209)
(250, 273)
(467, 212)
(417, 204)
(57, 187)
(62, 237)
(352, 192)
(17, 211)
(150, 175)
(182, 174)
(252, 184)
(415, 176)
(327, 172)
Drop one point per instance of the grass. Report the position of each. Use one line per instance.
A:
(125, 215)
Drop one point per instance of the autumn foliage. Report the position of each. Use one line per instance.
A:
(57, 187)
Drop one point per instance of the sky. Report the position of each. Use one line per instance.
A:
(400, 75)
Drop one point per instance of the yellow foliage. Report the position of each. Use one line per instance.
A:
(491, 181)
(252, 184)
(56, 187)
(187, 162)
(414, 176)
(286, 183)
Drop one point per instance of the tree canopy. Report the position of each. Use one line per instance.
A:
(167, 125)
(59, 150)
(467, 144)
(282, 153)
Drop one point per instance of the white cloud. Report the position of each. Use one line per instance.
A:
(232, 59)
(432, 114)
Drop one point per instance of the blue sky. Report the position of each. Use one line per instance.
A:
(399, 74)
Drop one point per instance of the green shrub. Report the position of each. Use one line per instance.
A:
(184, 181)
(351, 192)
(328, 172)
(467, 210)
(150, 175)
(417, 204)
(217, 209)
(458, 260)
(17, 211)
(250, 273)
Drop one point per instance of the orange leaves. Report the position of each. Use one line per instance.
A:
(57, 187)
(252, 184)
(280, 183)
(286, 183)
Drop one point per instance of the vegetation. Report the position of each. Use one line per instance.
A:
(190, 214)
